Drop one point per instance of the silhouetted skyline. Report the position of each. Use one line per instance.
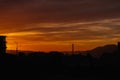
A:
(61, 66)
(60, 39)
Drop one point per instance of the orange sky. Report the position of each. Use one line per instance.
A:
(53, 25)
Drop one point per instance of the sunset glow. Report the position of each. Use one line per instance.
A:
(53, 25)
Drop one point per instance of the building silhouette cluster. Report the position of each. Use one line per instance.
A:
(119, 46)
(57, 63)
(2, 45)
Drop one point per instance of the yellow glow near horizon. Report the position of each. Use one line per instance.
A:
(59, 36)
(81, 45)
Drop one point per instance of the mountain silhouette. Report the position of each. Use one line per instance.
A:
(99, 51)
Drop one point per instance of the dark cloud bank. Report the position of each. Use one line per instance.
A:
(36, 11)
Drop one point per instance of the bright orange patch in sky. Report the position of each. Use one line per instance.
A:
(60, 37)
(28, 45)
(53, 25)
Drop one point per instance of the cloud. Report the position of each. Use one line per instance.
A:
(100, 30)
(60, 20)
(38, 11)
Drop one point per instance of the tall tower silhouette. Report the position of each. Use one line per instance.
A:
(17, 51)
(2, 45)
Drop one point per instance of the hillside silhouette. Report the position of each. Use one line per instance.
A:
(99, 51)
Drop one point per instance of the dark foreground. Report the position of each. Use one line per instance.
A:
(57, 66)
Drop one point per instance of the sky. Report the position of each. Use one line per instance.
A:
(53, 25)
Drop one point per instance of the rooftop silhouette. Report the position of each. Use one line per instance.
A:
(2, 45)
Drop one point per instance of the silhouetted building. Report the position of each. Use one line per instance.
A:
(2, 45)
(119, 46)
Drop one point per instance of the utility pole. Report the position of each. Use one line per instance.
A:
(16, 47)
(73, 49)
